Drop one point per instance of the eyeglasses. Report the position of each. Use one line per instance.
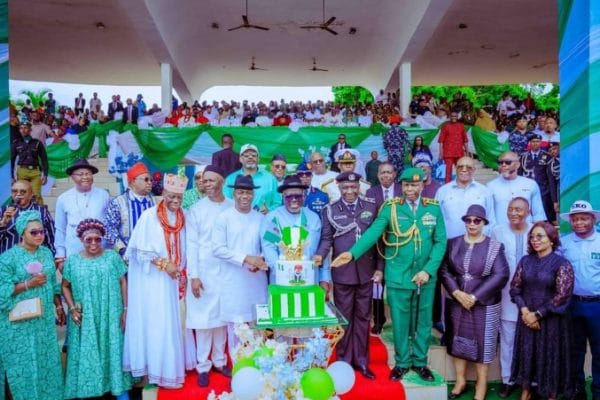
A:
(92, 239)
(467, 167)
(538, 236)
(18, 191)
(318, 161)
(278, 166)
(293, 197)
(37, 232)
(82, 174)
(341, 137)
(505, 162)
(304, 174)
(474, 221)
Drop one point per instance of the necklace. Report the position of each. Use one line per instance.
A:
(472, 242)
(174, 249)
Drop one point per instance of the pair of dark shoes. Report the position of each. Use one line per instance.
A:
(365, 371)
(506, 390)
(424, 373)
(203, 379)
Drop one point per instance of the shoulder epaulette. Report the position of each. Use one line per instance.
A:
(428, 200)
(395, 200)
(368, 200)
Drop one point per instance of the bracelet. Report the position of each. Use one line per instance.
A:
(27, 284)
(538, 315)
(71, 309)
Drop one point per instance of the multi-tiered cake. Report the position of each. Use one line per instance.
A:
(295, 298)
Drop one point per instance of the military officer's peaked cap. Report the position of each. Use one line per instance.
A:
(346, 157)
(534, 136)
(348, 177)
(412, 175)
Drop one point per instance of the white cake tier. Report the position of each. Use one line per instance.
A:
(295, 273)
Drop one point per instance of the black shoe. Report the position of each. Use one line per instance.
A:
(365, 371)
(424, 373)
(397, 373)
(453, 396)
(135, 393)
(506, 390)
(376, 329)
(203, 379)
(224, 370)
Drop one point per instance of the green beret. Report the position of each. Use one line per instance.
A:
(412, 175)
(26, 217)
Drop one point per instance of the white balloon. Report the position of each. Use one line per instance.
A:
(247, 384)
(343, 376)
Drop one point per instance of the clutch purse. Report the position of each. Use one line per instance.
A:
(26, 310)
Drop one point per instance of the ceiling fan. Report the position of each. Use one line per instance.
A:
(246, 24)
(253, 67)
(324, 25)
(315, 68)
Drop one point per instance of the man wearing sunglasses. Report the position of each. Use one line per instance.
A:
(22, 200)
(509, 185)
(293, 213)
(321, 174)
(314, 198)
(124, 211)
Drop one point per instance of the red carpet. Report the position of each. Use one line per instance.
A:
(364, 389)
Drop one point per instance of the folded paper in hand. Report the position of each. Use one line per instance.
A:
(26, 309)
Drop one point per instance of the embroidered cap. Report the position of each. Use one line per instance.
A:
(136, 170)
(175, 183)
(578, 207)
(412, 175)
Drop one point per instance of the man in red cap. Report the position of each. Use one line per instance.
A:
(124, 211)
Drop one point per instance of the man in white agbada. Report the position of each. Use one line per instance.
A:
(514, 237)
(236, 243)
(204, 291)
(153, 344)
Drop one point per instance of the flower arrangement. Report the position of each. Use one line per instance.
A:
(270, 369)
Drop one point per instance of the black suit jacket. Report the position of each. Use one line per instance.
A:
(134, 114)
(334, 150)
(376, 193)
(113, 107)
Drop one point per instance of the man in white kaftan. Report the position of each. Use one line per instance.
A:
(204, 273)
(153, 344)
(236, 243)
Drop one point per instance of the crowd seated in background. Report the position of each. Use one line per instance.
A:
(425, 111)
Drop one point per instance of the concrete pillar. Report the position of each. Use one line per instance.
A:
(4, 110)
(166, 87)
(579, 72)
(404, 75)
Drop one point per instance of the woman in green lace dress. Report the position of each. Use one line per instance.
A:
(29, 351)
(95, 290)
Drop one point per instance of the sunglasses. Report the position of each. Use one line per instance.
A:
(474, 221)
(538, 237)
(304, 174)
(18, 191)
(278, 166)
(93, 239)
(318, 161)
(505, 162)
(146, 179)
(37, 232)
(293, 197)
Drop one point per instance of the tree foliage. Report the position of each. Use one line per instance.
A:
(35, 97)
(351, 95)
(482, 96)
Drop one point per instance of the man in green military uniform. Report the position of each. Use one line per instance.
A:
(415, 242)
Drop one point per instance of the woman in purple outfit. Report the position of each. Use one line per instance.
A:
(541, 288)
(473, 273)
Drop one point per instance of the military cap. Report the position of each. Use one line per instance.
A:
(348, 177)
(346, 157)
(534, 136)
(412, 175)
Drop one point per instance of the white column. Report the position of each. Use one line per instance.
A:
(166, 87)
(404, 75)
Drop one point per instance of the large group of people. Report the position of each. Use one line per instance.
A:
(151, 287)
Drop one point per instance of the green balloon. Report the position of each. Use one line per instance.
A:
(242, 363)
(263, 351)
(317, 384)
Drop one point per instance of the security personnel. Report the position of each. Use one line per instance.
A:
(343, 222)
(415, 242)
(33, 160)
(534, 164)
(346, 160)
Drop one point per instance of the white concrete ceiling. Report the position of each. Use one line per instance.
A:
(57, 40)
